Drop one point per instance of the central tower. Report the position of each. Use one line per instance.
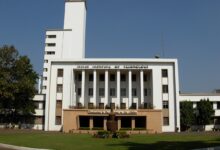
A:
(75, 21)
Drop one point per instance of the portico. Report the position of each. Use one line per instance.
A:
(127, 88)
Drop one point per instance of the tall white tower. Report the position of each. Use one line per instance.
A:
(75, 20)
(63, 44)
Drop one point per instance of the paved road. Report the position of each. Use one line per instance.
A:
(2, 148)
(12, 147)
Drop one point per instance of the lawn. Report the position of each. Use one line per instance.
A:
(61, 141)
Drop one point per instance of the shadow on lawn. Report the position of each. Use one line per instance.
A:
(168, 145)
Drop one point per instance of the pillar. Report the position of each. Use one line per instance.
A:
(105, 123)
(94, 87)
(91, 123)
(106, 87)
(129, 88)
(132, 123)
(83, 88)
(142, 86)
(118, 88)
(119, 123)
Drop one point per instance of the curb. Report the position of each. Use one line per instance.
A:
(18, 147)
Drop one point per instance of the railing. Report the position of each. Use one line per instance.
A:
(133, 106)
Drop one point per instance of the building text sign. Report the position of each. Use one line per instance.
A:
(112, 67)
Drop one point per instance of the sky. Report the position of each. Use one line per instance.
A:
(188, 30)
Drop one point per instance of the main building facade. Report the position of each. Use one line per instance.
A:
(79, 93)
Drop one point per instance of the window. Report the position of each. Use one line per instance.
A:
(134, 92)
(58, 120)
(123, 77)
(165, 88)
(50, 53)
(101, 92)
(51, 36)
(39, 120)
(79, 77)
(44, 87)
(90, 77)
(37, 105)
(79, 92)
(90, 105)
(60, 73)
(50, 44)
(146, 77)
(164, 73)
(101, 105)
(112, 92)
(46, 61)
(133, 105)
(149, 92)
(112, 77)
(134, 77)
(166, 121)
(45, 69)
(123, 92)
(165, 104)
(59, 104)
(218, 105)
(145, 92)
(45, 78)
(59, 88)
(101, 77)
(123, 105)
(90, 91)
(112, 105)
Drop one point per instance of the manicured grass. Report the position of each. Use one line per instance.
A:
(61, 141)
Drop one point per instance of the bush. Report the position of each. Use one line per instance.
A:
(125, 129)
(139, 128)
(120, 134)
(84, 128)
(102, 134)
(97, 128)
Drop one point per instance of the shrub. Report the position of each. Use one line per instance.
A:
(125, 129)
(120, 134)
(97, 128)
(139, 128)
(102, 134)
(84, 128)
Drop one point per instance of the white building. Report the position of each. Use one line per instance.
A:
(79, 91)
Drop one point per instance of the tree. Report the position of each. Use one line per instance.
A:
(17, 86)
(204, 112)
(186, 115)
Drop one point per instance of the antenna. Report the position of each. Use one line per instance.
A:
(162, 45)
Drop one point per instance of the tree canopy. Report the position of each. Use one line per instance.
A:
(204, 112)
(17, 86)
(201, 115)
(187, 114)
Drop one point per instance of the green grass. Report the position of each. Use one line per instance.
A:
(61, 141)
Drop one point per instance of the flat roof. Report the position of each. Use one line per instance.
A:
(200, 94)
(122, 60)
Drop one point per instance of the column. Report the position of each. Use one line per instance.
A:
(118, 88)
(91, 123)
(94, 87)
(73, 90)
(132, 123)
(105, 123)
(119, 123)
(106, 87)
(83, 88)
(129, 88)
(142, 86)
